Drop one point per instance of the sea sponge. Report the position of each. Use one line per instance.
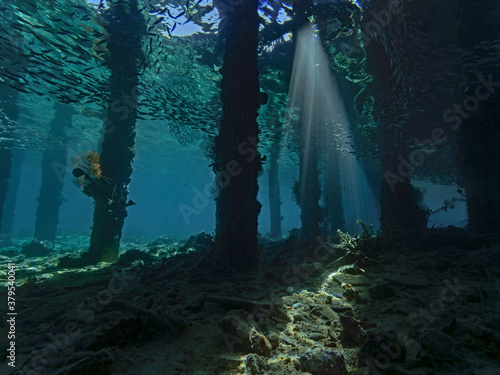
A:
(89, 162)
(94, 164)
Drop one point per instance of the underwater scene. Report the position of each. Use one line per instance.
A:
(245, 187)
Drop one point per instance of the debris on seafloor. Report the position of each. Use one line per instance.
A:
(333, 318)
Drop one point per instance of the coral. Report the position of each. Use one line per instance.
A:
(87, 170)
(94, 164)
(89, 162)
(366, 233)
(346, 239)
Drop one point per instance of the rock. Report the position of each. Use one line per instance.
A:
(202, 242)
(341, 308)
(493, 322)
(240, 334)
(381, 291)
(35, 249)
(229, 362)
(255, 365)
(259, 343)
(133, 255)
(364, 371)
(8, 253)
(84, 362)
(404, 306)
(280, 314)
(352, 334)
(474, 295)
(288, 340)
(351, 294)
(349, 258)
(239, 303)
(171, 293)
(196, 304)
(381, 347)
(73, 261)
(438, 344)
(162, 244)
(328, 313)
(414, 281)
(317, 336)
(297, 317)
(274, 340)
(351, 269)
(319, 361)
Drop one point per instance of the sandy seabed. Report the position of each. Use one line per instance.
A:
(426, 303)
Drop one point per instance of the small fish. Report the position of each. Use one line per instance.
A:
(179, 15)
(158, 21)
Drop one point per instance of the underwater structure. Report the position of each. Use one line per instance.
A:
(53, 172)
(336, 112)
(301, 187)
(237, 161)
(274, 190)
(10, 113)
(331, 109)
(473, 120)
(109, 186)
